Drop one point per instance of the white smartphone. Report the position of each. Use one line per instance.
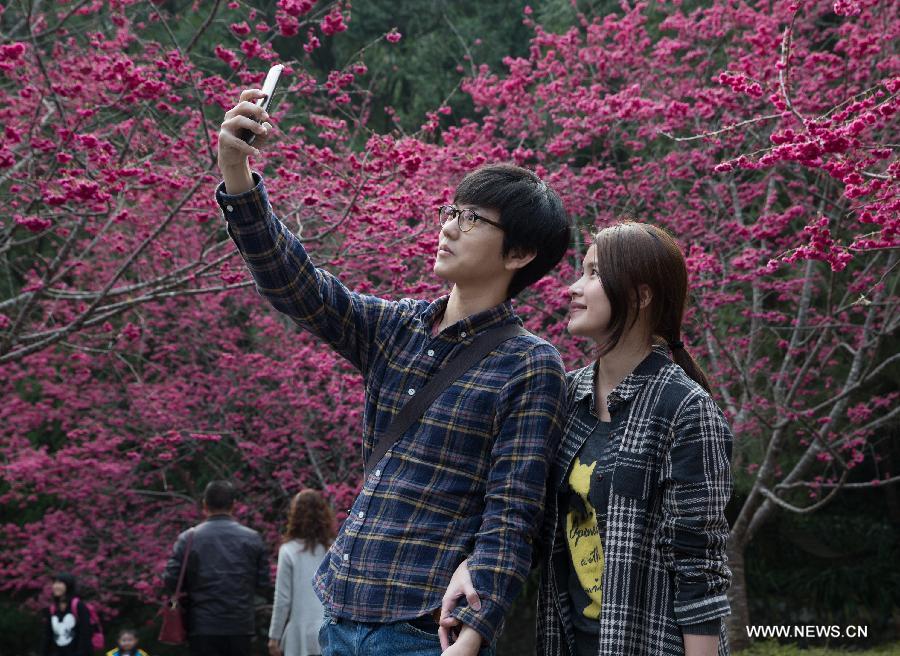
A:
(268, 88)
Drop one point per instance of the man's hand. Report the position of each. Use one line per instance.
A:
(234, 151)
(274, 648)
(460, 586)
(467, 644)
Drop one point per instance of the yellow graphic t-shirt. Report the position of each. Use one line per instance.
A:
(585, 526)
(585, 545)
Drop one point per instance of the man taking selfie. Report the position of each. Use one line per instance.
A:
(466, 476)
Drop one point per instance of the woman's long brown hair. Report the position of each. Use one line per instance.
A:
(310, 520)
(632, 254)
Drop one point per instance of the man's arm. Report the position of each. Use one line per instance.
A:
(694, 531)
(173, 565)
(286, 277)
(275, 256)
(530, 411)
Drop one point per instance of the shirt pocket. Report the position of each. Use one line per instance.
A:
(631, 476)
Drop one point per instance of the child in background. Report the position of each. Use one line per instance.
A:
(127, 645)
(67, 629)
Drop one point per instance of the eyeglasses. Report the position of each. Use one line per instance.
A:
(466, 219)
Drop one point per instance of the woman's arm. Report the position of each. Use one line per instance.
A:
(693, 536)
(46, 634)
(701, 645)
(281, 608)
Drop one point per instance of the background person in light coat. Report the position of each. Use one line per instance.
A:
(297, 612)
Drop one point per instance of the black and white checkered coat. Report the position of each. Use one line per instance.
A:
(664, 547)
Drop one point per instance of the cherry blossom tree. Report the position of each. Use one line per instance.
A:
(763, 138)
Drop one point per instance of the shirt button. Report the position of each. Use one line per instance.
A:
(431, 352)
(411, 391)
(361, 514)
(464, 334)
(346, 557)
(230, 208)
(377, 473)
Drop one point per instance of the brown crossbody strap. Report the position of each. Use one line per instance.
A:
(417, 405)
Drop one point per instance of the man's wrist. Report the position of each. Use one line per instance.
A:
(238, 178)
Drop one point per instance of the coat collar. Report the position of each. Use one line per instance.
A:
(220, 517)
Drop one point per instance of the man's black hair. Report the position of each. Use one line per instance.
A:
(532, 215)
(219, 496)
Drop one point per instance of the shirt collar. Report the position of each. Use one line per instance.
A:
(629, 386)
(471, 326)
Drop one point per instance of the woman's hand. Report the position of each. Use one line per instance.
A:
(467, 644)
(460, 586)
(274, 648)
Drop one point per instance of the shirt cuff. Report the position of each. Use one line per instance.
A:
(698, 611)
(488, 621)
(247, 207)
(711, 627)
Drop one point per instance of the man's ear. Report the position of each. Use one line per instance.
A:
(518, 258)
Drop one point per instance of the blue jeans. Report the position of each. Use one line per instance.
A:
(340, 637)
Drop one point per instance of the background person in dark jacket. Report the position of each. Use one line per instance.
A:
(227, 565)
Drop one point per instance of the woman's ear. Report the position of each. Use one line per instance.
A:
(646, 295)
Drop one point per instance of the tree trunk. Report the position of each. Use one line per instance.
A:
(737, 597)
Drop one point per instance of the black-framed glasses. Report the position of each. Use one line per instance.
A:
(466, 219)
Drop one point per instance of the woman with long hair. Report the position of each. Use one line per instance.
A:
(632, 549)
(297, 612)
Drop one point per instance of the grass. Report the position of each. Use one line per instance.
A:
(772, 648)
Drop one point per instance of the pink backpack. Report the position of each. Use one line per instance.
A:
(95, 627)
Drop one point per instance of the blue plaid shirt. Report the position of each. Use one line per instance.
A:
(467, 480)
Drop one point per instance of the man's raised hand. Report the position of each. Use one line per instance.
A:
(246, 115)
